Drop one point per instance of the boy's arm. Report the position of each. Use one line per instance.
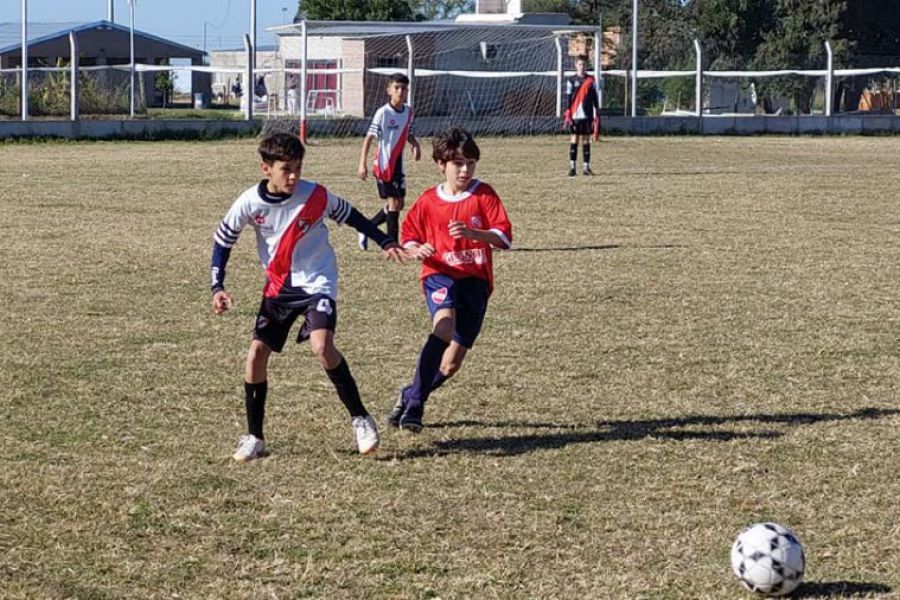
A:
(363, 170)
(343, 212)
(493, 237)
(414, 145)
(224, 239)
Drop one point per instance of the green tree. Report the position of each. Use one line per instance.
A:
(798, 42)
(356, 10)
(441, 9)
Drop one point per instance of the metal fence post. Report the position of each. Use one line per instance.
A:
(829, 81)
(73, 69)
(698, 85)
(410, 70)
(24, 60)
(559, 76)
(249, 90)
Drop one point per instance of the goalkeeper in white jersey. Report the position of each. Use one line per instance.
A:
(288, 215)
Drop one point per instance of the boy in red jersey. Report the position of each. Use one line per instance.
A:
(452, 228)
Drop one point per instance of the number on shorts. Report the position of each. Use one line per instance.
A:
(324, 306)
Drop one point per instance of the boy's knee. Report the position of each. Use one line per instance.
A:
(325, 353)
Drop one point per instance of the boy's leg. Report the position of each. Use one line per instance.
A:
(573, 154)
(256, 387)
(586, 154)
(395, 205)
(427, 369)
(338, 372)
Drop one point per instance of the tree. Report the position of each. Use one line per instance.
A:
(429, 10)
(356, 10)
(798, 42)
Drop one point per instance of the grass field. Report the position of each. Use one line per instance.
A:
(703, 336)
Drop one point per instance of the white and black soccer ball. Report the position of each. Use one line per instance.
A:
(768, 559)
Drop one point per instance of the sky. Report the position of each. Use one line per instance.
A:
(178, 20)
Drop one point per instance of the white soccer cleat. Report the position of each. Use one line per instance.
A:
(249, 448)
(366, 434)
(363, 241)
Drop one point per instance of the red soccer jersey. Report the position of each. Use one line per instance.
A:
(478, 207)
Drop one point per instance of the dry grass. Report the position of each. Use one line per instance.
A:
(701, 337)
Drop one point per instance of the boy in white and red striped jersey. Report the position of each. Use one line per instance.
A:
(453, 228)
(288, 215)
(392, 128)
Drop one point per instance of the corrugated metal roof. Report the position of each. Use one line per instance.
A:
(11, 34)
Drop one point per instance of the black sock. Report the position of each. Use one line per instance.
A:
(427, 369)
(255, 401)
(346, 389)
(573, 154)
(393, 224)
(586, 152)
(379, 217)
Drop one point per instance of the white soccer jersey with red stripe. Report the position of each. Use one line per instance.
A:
(291, 236)
(391, 127)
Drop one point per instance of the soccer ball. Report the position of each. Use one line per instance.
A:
(768, 559)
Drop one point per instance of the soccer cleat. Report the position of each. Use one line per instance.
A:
(587, 171)
(393, 417)
(249, 448)
(366, 434)
(411, 418)
(571, 171)
(363, 242)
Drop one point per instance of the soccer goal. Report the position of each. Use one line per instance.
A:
(490, 77)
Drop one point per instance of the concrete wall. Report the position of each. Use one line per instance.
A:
(428, 126)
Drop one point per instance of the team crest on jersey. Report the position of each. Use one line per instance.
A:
(260, 218)
(438, 296)
(475, 221)
(392, 123)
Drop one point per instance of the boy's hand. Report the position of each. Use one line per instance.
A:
(420, 252)
(567, 118)
(395, 252)
(363, 171)
(458, 229)
(221, 302)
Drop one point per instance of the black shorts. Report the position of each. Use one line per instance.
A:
(582, 127)
(275, 318)
(396, 187)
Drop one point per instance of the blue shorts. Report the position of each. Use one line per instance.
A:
(467, 297)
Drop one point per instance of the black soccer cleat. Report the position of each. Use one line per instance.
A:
(393, 417)
(587, 172)
(411, 419)
(571, 171)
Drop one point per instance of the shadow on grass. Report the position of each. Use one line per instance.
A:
(595, 247)
(625, 430)
(839, 589)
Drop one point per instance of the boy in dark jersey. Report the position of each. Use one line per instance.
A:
(583, 115)
(288, 215)
(391, 127)
(452, 228)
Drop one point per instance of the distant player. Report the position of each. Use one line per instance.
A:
(392, 128)
(583, 115)
(288, 215)
(452, 228)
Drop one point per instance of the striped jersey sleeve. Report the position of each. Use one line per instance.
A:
(375, 126)
(338, 209)
(224, 239)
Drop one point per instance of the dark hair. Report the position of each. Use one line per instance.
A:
(281, 146)
(584, 58)
(399, 78)
(453, 142)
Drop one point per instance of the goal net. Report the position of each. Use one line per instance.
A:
(500, 78)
